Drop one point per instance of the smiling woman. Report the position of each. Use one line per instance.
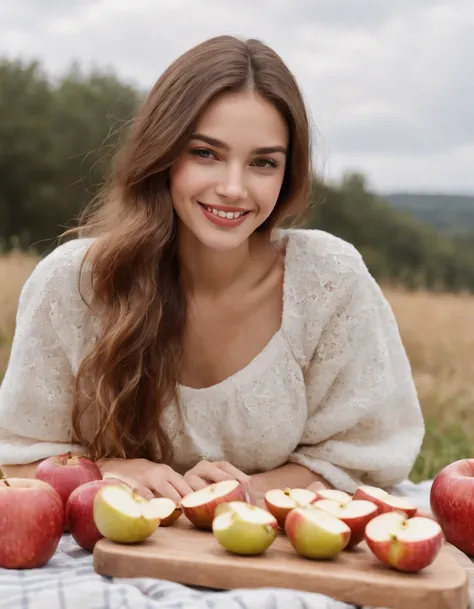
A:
(184, 337)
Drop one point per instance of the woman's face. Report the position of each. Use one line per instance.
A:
(226, 182)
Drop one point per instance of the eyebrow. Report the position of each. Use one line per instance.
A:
(218, 144)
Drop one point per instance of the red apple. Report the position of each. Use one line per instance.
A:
(406, 544)
(31, 523)
(65, 473)
(452, 503)
(80, 513)
(280, 502)
(356, 514)
(199, 507)
(316, 534)
(384, 501)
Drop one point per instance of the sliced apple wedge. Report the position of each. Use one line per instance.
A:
(167, 509)
(384, 501)
(123, 516)
(406, 544)
(244, 529)
(199, 507)
(280, 502)
(356, 513)
(316, 534)
(371, 493)
(333, 494)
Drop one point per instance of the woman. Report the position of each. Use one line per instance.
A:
(185, 338)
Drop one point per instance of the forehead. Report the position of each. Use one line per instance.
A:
(243, 120)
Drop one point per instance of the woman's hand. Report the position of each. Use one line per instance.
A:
(206, 472)
(147, 478)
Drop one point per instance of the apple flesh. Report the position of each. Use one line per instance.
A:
(333, 494)
(65, 473)
(244, 529)
(167, 510)
(199, 506)
(280, 502)
(452, 503)
(80, 513)
(31, 523)
(356, 513)
(406, 544)
(123, 516)
(384, 501)
(316, 534)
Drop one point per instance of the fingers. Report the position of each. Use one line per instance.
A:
(233, 472)
(195, 482)
(166, 489)
(316, 486)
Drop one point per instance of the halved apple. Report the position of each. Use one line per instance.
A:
(356, 513)
(333, 494)
(122, 515)
(280, 502)
(406, 544)
(244, 529)
(167, 509)
(199, 507)
(384, 501)
(316, 534)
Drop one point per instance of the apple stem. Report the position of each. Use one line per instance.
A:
(6, 482)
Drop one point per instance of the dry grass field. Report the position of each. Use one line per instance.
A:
(437, 330)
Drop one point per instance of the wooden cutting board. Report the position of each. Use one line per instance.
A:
(188, 556)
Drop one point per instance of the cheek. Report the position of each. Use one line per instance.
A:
(186, 179)
(266, 192)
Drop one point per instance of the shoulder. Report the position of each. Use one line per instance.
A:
(57, 273)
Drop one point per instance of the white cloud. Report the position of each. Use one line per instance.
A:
(389, 84)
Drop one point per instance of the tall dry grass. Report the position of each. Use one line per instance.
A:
(438, 333)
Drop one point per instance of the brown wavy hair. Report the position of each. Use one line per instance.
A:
(130, 374)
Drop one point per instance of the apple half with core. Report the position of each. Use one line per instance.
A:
(384, 501)
(356, 513)
(31, 523)
(406, 544)
(280, 502)
(452, 503)
(333, 494)
(66, 472)
(167, 510)
(124, 516)
(244, 529)
(316, 534)
(199, 506)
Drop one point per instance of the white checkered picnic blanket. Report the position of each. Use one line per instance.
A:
(69, 581)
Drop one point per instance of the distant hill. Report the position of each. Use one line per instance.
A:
(452, 214)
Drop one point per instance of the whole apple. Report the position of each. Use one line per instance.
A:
(80, 513)
(452, 503)
(65, 473)
(31, 523)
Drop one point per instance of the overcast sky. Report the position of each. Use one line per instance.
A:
(389, 83)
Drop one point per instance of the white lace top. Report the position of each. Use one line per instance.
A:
(332, 390)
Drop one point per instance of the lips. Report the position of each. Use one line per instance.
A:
(224, 212)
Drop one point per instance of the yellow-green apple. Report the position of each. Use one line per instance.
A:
(199, 506)
(406, 544)
(316, 534)
(168, 510)
(124, 516)
(280, 502)
(452, 503)
(31, 523)
(244, 529)
(80, 513)
(66, 472)
(384, 501)
(330, 493)
(356, 513)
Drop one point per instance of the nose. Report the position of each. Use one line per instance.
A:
(232, 185)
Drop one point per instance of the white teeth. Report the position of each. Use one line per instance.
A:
(224, 214)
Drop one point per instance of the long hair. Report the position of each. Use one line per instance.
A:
(130, 374)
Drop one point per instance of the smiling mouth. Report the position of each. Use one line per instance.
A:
(229, 215)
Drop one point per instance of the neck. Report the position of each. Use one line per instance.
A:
(211, 271)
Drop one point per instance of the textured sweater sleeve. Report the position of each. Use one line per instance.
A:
(36, 392)
(364, 422)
